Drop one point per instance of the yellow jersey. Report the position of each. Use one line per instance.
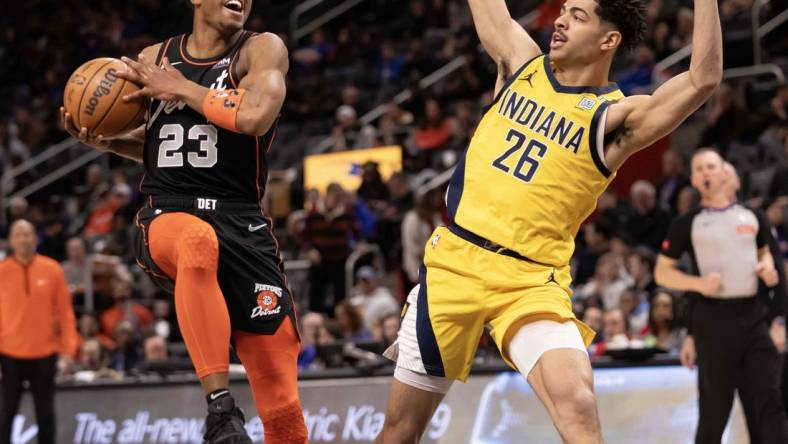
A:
(535, 166)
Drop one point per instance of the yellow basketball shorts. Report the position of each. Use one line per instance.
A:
(464, 287)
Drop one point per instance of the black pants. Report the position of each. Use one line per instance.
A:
(41, 375)
(735, 353)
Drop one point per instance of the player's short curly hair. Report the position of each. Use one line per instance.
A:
(628, 16)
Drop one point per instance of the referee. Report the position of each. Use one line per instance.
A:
(728, 246)
(36, 324)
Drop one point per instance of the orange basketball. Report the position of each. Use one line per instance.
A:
(94, 98)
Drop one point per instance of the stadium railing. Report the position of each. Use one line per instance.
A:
(758, 68)
(425, 82)
(298, 32)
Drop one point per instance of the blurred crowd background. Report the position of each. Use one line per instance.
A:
(361, 81)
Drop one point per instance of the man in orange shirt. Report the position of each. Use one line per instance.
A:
(36, 325)
(124, 308)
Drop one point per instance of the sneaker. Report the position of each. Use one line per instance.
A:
(225, 423)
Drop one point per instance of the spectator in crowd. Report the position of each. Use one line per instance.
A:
(637, 78)
(648, 222)
(614, 332)
(417, 226)
(328, 237)
(393, 126)
(88, 328)
(635, 307)
(313, 334)
(372, 188)
(17, 209)
(387, 330)
(606, 285)
(435, 132)
(316, 52)
(155, 350)
(125, 307)
(93, 363)
(640, 266)
(52, 239)
(348, 134)
(373, 300)
(78, 271)
(126, 355)
(726, 120)
(101, 219)
(37, 324)
(350, 322)
(596, 235)
(674, 179)
(592, 317)
(662, 330)
(389, 69)
(156, 358)
(687, 200)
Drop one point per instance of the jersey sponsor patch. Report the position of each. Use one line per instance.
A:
(267, 300)
(586, 103)
(745, 229)
(221, 63)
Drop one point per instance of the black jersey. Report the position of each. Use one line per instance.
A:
(184, 154)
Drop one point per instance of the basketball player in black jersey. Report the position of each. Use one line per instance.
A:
(215, 96)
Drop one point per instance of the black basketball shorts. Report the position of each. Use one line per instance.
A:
(250, 271)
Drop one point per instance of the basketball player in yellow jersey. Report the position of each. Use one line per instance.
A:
(544, 151)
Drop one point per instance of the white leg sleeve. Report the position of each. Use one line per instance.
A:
(435, 384)
(535, 338)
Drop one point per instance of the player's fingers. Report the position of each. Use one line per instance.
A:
(83, 134)
(68, 124)
(166, 64)
(132, 63)
(136, 95)
(142, 59)
(130, 75)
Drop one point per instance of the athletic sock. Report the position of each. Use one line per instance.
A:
(220, 401)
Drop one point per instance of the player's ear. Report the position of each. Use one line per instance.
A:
(610, 40)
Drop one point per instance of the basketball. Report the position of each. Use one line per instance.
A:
(94, 98)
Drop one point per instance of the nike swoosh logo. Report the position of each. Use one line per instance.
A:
(213, 396)
(255, 228)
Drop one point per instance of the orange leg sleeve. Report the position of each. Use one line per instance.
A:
(271, 366)
(186, 248)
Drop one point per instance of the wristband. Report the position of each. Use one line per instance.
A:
(221, 107)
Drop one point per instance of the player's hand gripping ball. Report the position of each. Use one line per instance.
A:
(93, 108)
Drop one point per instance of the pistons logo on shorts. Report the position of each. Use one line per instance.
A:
(267, 300)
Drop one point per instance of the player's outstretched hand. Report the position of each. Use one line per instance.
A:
(81, 134)
(157, 82)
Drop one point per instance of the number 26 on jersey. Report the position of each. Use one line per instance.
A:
(529, 158)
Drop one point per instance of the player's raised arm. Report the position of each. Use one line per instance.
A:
(266, 57)
(639, 121)
(502, 37)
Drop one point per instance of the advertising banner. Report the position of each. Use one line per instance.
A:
(643, 405)
(345, 167)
